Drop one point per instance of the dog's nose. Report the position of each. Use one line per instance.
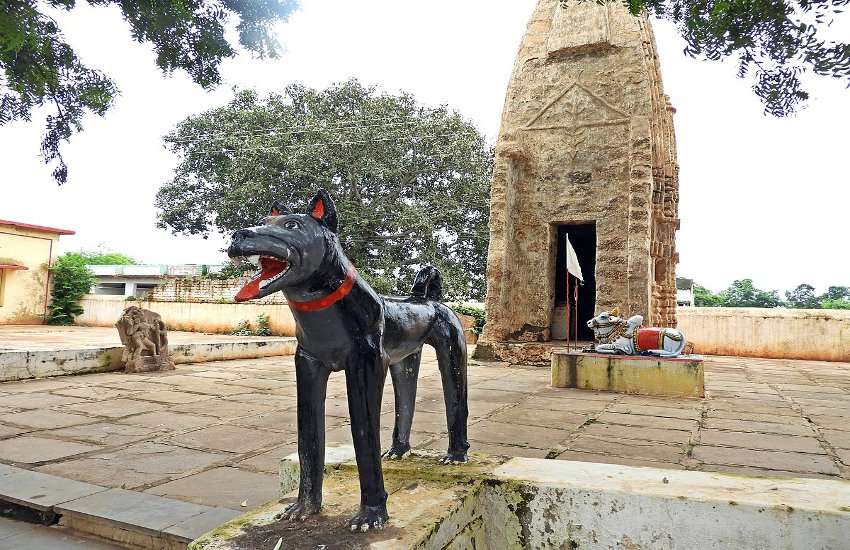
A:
(242, 234)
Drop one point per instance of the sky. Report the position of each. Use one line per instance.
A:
(760, 197)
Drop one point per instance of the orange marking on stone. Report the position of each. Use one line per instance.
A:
(319, 209)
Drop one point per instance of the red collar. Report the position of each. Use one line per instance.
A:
(327, 301)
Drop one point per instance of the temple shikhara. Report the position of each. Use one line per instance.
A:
(586, 152)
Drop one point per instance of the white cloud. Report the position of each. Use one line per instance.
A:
(760, 197)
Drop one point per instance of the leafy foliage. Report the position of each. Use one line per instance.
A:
(231, 270)
(478, 313)
(411, 183)
(71, 280)
(802, 297)
(263, 327)
(776, 40)
(102, 258)
(705, 298)
(40, 69)
(743, 293)
(839, 303)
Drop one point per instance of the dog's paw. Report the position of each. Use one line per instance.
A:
(299, 511)
(369, 518)
(453, 457)
(397, 451)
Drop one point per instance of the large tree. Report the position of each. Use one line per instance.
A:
(802, 297)
(410, 182)
(39, 69)
(776, 41)
(743, 293)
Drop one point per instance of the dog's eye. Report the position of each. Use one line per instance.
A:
(292, 224)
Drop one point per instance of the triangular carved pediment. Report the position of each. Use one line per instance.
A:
(576, 106)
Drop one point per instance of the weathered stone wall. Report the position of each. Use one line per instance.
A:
(179, 289)
(586, 136)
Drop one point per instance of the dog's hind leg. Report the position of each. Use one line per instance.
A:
(405, 375)
(450, 345)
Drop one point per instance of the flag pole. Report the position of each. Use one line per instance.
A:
(575, 316)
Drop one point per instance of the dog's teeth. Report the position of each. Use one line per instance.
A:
(253, 259)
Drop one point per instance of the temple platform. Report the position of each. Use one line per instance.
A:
(525, 353)
(682, 376)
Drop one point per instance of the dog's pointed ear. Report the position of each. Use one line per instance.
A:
(278, 209)
(322, 208)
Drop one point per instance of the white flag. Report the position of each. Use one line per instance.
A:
(572, 262)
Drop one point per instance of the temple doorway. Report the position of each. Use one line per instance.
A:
(583, 239)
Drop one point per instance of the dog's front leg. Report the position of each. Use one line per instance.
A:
(364, 380)
(312, 381)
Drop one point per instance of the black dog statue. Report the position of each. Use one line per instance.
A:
(344, 325)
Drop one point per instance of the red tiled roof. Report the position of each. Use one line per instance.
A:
(21, 225)
(12, 266)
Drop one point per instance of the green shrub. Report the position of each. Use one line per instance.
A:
(263, 328)
(243, 329)
(71, 280)
(479, 314)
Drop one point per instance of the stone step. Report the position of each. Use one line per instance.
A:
(22, 365)
(124, 517)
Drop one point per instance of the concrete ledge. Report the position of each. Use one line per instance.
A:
(642, 375)
(22, 365)
(536, 503)
(614, 506)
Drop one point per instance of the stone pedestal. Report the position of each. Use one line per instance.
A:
(642, 375)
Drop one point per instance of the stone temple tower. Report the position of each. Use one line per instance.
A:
(586, 152)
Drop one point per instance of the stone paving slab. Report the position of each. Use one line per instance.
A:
(225, 487)
(41, 491)
(132, 510)
(28, 449)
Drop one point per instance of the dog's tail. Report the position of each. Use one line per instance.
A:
(428, 284)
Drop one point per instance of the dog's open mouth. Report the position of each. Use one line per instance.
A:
(270, 270)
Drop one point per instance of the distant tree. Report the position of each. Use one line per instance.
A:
(777, 40)
(802, 297)
(836, 293)
(39, 69)
(743, 293)
(71, 280)
(835, 297)
(102, 258)
(705, 298)
(411, 183)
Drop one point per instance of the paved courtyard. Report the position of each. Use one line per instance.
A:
(212, 433)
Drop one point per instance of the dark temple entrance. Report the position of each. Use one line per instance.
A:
(583, 239)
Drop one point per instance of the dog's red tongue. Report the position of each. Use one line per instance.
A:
(269, 267)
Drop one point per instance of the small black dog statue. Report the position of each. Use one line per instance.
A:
(342, 324)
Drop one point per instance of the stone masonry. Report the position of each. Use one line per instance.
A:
(586, 137)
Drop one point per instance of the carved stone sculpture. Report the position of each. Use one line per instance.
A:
(615, 335)
(344, 325)
(145, 341)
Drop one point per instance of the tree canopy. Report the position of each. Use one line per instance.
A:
(39, 69)
(410, 182)
(100, 257)
(774, 40)
(743, 293)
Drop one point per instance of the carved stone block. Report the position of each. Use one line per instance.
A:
(145, 341)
